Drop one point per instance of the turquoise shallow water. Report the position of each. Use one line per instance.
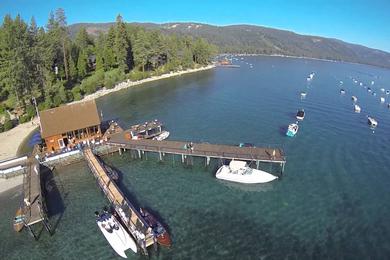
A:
(332, 202)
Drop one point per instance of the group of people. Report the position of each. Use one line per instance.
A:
(189, 146)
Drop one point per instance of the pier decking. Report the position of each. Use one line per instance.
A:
(32, 193)
(126, 211)
(33, 199)
(258, 154)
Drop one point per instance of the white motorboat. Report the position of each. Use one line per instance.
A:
(382, 89)
(372, 122)
(239, 171)
(115, 234)
(357, 109)
(310, 77)
(387, 92)
(300, 114)
(342, 91)
(164, 135)
(303, 94)
(292, 129)
(382, 100)
(354, 98)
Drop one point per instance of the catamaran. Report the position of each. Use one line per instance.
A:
(239, 171)
(115, 233)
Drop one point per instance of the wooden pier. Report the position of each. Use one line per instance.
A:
(205, 150)
(134, 222)
(33, 200)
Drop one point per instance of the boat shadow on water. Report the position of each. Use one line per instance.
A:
(52, 191)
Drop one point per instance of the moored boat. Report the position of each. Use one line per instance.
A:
(357, 108)
(303, 94)
(382, 100)
(162, 235)
(292, 129)
(342, 91)
(19, 220)
(372, 122)
(354, 98)
(164, 135)
(300, 114)
(115, 233)
(239, 171)
(147, 130)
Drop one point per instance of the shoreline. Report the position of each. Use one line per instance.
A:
(128, 83)
(11, 140)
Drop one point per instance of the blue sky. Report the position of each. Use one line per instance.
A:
(360, 21)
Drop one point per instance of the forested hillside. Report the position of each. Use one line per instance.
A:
(51, 67)
(263, 40)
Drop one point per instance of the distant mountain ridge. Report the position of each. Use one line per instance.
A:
(262, 40)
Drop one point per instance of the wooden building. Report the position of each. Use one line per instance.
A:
(66, 126)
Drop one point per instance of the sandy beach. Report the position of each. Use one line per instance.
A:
(10, 140)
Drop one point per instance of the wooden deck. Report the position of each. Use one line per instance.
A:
(131, 217)
(200, 149)
(33, 200)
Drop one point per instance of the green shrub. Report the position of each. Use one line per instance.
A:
(24, 118)
(136, 75)
(92, 83)
(8, 125)
(1, 128)
(77, 93)
(112, 77)
(2, 109)
(30, 111)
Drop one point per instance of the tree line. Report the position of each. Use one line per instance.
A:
(46, 65)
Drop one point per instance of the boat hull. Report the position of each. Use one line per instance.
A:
(163, 237)
(19, 220)
(257, 176)
(118, 238)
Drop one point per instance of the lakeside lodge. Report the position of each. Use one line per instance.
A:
(65, 127)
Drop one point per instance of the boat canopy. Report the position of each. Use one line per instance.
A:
(236, 165)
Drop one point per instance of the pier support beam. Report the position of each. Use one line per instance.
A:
(120, 151)
(139, 154)
(160, 156)
(257, 164)
(208, 160)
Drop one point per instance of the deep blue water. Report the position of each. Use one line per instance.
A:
(333, 199)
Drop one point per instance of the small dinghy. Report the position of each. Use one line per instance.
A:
(342, 91)
(387, 92)
(19, 220)
(372, 122)
(357, 109)
(164, 135)
(115, 233)
(382, 100)
(303, 94)
(292, 129)
(300, 114)
(162, 235)
(354, 98)
(369, 89)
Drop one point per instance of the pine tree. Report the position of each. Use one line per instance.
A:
(82, 64)
(121, 45)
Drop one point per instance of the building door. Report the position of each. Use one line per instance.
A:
(61, 143)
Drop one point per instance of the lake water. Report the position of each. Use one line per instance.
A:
(333, 199)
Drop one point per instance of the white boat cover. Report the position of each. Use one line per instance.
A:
(118, 238)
